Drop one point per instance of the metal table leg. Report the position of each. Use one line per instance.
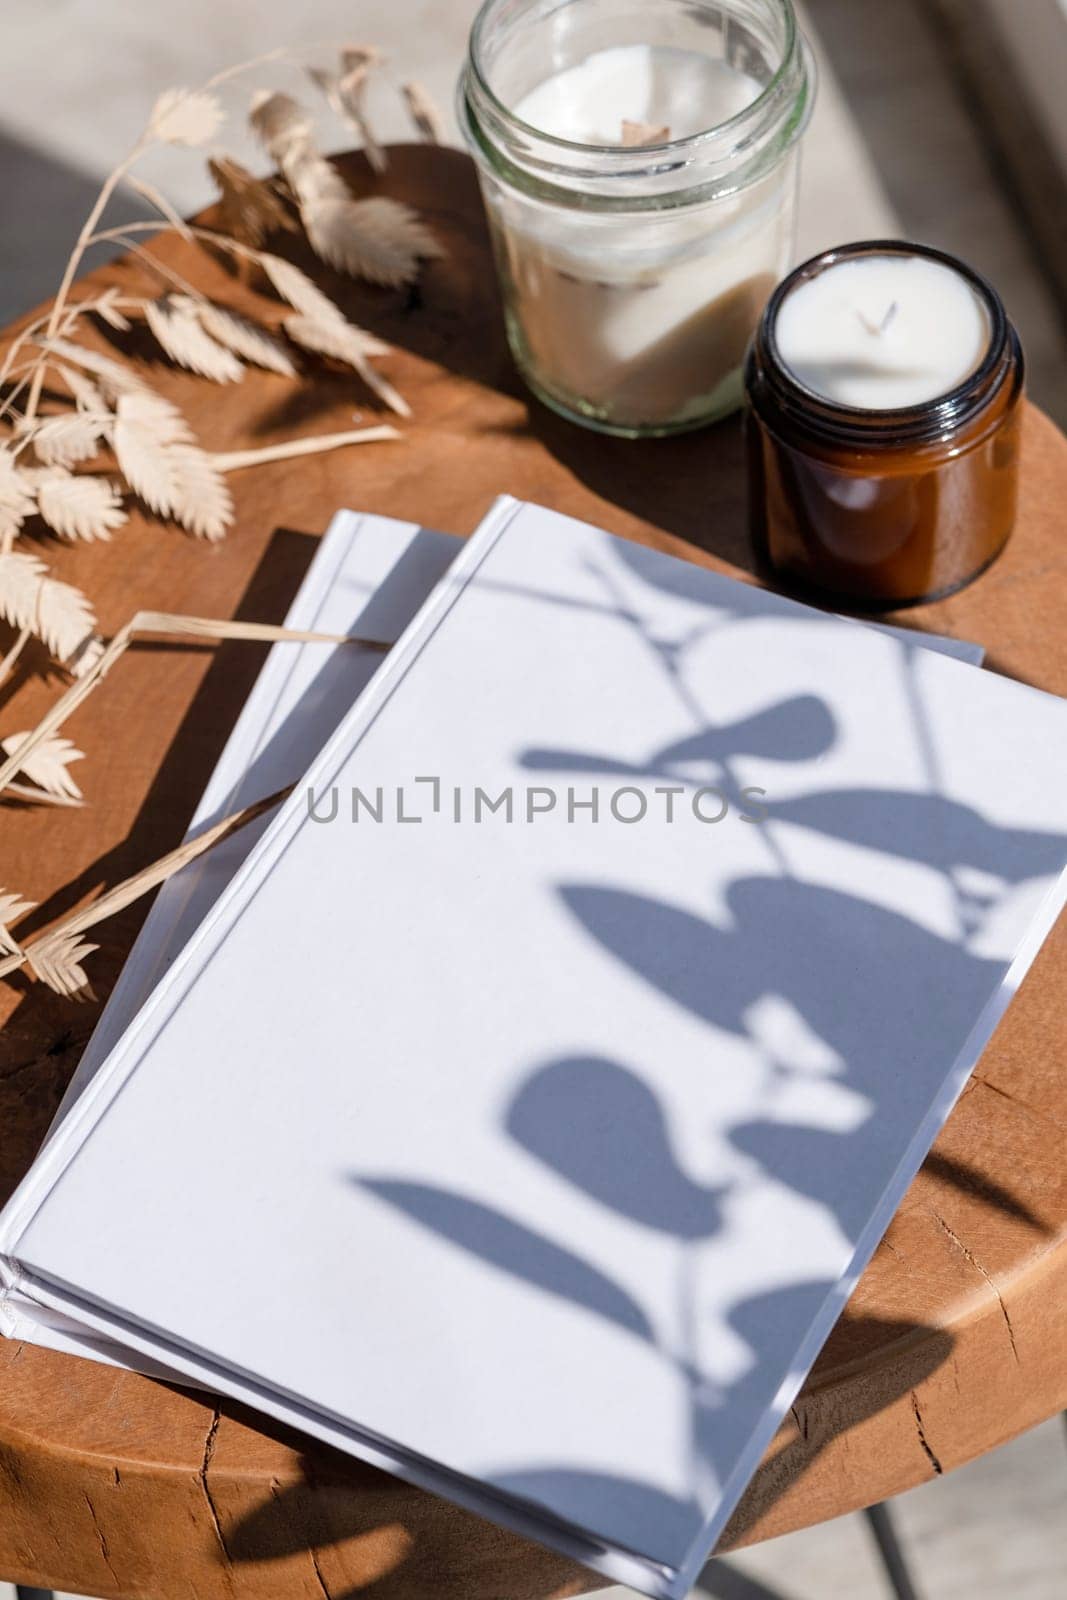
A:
(891, 1551)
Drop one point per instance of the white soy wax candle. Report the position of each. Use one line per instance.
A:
(638, 92)
(885, 385)
(638, 161)
(881, 332)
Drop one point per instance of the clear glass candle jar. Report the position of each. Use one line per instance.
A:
(633, 274)
(878, 506)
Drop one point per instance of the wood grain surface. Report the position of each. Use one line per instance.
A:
(955, 1339)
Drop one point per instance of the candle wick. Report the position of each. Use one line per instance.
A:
(876, 329)
(639, 133)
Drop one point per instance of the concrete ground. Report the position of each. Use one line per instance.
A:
(894, 148)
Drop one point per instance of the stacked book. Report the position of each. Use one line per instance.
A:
(517, 1108)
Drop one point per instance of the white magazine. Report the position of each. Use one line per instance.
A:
(368, 577)
(544, 1152)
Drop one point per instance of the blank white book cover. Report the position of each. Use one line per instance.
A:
(534, 1154)
(368, 577)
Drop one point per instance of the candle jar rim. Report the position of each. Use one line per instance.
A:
(924, 422)
(713, 162)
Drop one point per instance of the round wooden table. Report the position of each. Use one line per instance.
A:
(954, 1341)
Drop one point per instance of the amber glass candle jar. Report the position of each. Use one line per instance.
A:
(867, 485)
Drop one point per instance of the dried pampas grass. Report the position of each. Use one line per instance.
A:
(47, 766)
(279, 123)
(73, 507)
(57, 957)
(56, 613)
(16, 498)
(102, 402)
(368, 236)
(69, 438)
(245, 339)
(424, 114)
(11, 909)
(249, 209)
(78, 507)
(378, 239)
(185, 116)
(374, 238)
(148, 622)
(58, 962)
(107, 310)
(297, 288)
(176, 324)
(351, 345)
(113, 377)
(233, 460)
(346, 92)
(171, 474)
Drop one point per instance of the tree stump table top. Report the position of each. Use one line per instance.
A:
(114, 1485)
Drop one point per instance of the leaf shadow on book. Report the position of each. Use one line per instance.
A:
(510, 1246)
(596, 1125)
(357, 1518)
(799, 728)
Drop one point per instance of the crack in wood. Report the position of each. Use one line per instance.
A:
(101, 1539)
(320, 1580)
(66, 1041)
(209, 1451)
(978, 1267)
(924, 1442)
(801, 1420)
(1014, 1100)
(278, 1496)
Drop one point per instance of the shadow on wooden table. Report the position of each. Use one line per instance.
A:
(692, 485)
(205, 728)
(333, 1505)
(453, 319)
(159, 826)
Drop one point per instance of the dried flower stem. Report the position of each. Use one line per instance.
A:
(233, 460)
(30, 332)
(149, 192)
(423, 112)
(121, 235)
(8, 663)
(261, 259)
(27, 791)
(155, 622)
(107, 189)
(23, 373)
(153, 263)
(142, 882)
(36, 332)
